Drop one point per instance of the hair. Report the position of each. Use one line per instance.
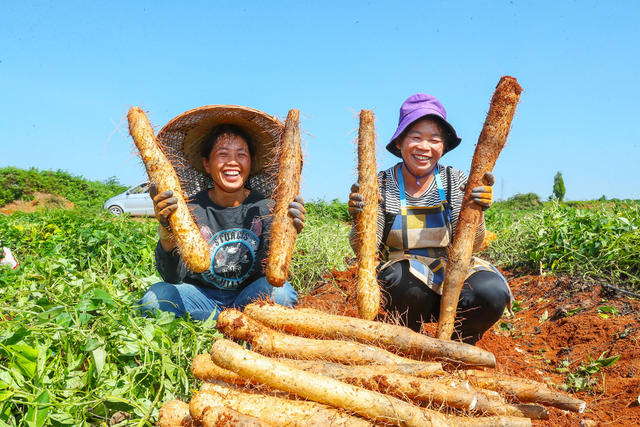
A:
(225, 130)
(448, 137)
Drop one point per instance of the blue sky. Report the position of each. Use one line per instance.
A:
(69, 71)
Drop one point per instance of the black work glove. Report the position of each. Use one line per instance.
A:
(298, 213)
(164, 204)
(356, 201)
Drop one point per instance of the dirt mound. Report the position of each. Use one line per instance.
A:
(559, 326)
(40, 201)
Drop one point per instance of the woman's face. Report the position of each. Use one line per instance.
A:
(229, 163)
(422, 146)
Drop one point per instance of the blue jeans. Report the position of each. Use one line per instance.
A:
(200, 301)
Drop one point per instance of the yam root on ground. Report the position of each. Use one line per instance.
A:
(318, 388)
(278, 410)
(193, 249)
(433, 391)
(492, 139)
(210, 412)
(498, 421)
(203, 368)
(313, 323)
(524, 390)
(175, 413)
(233, 323)
(283, 233)
(367, 288)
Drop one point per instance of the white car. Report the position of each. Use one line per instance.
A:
(134, 201)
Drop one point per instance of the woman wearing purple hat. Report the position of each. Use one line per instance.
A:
(417, 216)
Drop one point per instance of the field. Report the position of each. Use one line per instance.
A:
(74, 351)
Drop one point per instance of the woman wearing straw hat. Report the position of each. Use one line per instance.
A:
(221, 154)
(417, 216)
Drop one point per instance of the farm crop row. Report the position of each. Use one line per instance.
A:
(74, 351)
(598, 241)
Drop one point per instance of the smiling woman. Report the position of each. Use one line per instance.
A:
(220, 154)
(226, 156)
(417, 216)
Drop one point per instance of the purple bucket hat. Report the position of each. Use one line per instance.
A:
(416, 107)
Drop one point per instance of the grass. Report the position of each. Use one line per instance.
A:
(322, 246)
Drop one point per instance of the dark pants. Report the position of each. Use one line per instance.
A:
(483, 299)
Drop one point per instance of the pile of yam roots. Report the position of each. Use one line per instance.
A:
(303, 367)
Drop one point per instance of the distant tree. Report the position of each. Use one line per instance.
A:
(558, 187)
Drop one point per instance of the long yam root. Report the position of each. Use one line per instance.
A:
(233, 323)
(207, 409)
(283, 233)
(193, 249)
(175, 413)
(492, 139)
(204, 369)
(278, 410)
(368, 290)
(313, 323)
(432, 391)
(524, 390)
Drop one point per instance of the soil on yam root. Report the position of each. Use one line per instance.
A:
(559, 321)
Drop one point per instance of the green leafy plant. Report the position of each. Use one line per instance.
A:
(582, 378)
(599, 241)
(607, 311)
(573, 311)
(74, 349)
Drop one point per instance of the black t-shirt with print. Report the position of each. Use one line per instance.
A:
(237, 238)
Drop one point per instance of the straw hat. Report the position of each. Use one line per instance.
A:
(181, 140)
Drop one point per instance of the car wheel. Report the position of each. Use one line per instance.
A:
(116, 210)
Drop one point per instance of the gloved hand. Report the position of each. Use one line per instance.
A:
(164, 205)
(356, 202)
(483, 195)
(298, 213)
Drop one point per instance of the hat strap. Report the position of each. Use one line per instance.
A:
(418, 178)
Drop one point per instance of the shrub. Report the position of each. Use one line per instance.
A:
(334, 209)
(520, 201)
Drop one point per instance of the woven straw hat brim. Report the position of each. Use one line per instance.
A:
(181, 140)
(189, 131)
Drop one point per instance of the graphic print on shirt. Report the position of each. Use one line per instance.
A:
(233, 255)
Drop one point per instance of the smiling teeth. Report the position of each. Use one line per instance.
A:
(421, 157)
(232, 173)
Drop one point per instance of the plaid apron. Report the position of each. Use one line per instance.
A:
(421, 233)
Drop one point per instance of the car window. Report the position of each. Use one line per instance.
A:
(141, 189)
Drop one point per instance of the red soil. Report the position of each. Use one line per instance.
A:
(39, 202)
(536, 343)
